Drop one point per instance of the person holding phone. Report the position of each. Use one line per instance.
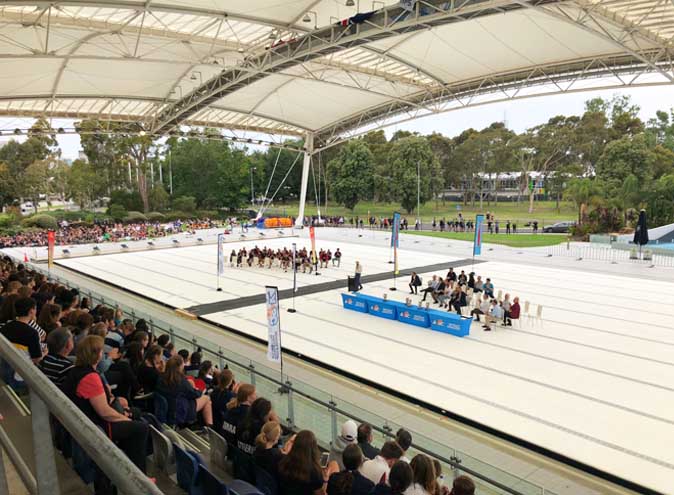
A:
(300, 472)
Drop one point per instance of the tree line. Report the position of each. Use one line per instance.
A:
(607, 161)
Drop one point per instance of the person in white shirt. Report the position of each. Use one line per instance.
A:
(377, 469)
(483, 309)
(505, 304)
(495, 314)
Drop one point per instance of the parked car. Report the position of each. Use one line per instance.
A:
(559, 227)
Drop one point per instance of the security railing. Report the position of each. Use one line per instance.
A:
(615, 253)
(307, 407)
(46, 399)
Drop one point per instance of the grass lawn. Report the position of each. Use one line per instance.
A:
(513, 240)
(544, 211)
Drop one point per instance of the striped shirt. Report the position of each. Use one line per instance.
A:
(55, 367)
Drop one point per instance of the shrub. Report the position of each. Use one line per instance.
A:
(135, 217)
(185, 203)
(117, 212)
(155, 216)
(170, 216)
(41, 221)
(130, 200)
(7, 220)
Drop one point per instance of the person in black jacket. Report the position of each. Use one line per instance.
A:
(365, 441)
(414, 284)
(399, 479)
(259, 413)
(350, 481)
(184, 401)
(236, 411)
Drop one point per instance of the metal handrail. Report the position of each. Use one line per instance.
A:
(456, 464)
(107, 456)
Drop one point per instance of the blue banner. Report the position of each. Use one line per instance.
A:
(477, 243)
(395, 231)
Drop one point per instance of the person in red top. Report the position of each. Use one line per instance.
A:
(514, 312)
(84, 387)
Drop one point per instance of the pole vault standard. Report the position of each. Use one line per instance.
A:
(306, 165)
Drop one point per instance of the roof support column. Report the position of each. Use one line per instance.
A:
(309, 146)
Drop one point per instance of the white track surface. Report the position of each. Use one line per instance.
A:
(593, 381)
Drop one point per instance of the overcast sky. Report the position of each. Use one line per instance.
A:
(519, 115)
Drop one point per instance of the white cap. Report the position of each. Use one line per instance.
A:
(350, 430)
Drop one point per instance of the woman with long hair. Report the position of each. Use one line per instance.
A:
(50, 316)
(399, 480)
(184, 401)
(236, 411)
(425, 480)
(259, 413)
(300, 471)
(267, 453)
(134, 354)
(150, 369)
(222, 393)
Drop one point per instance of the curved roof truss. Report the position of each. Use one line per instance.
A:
(259, 66)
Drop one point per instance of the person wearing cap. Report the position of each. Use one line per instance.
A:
(349, 435)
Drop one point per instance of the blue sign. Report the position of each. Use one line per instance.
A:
(450, 323)
(383, 309)
(354, 303)
(412, 316)
(395, 232)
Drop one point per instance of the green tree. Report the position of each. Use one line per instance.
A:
(351, 172)
(35, 181)
(82, 183)
(584, 193)
(622, 158)
(660, 201)
(159, 198)
(630, 193)
(413, 167)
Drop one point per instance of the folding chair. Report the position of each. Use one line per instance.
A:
(218, 449)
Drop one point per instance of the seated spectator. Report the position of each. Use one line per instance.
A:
(300, 472)
(439, 290)
(425, 482)
(365, 441)
(479, 284)
(488, 288)
(483, 309)
(195, 364)
(432, 285)
(126, 328)
(451, 275)
(349, 481)
(414, 284)
(204, 379)
(495, 314)
(151, 369)
(348, 436)
(134, 354)
(85, 388)
(514, 313)
(55, 365)
(505, 304)
(267, 454)
(463, 279)
(471, 280)
(223, 392)
(50, 316)
(337, 258)
(143, 338)
(463, 485)
(404, 439)
(185, 354)
(236, 411)
(184, 401)
(377, 469)
(399, 480)
(259, 413)
(122, 374)
(24, 337)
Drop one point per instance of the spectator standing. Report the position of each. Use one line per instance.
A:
(357, 276)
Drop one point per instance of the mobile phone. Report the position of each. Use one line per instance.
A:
(324, 459)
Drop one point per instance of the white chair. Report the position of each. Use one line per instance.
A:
(526, 312)
(539, 314)
(499, 297)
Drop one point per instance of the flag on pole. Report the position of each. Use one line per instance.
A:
(477, 242)
(51, 240)
(395, 240)
(273, 324)
(312, 235)
(221, 254)
(294, 267)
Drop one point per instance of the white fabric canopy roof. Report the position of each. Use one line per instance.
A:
(164, 63)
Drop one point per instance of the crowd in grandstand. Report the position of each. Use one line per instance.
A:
(455, 291)
(77, 233)
(266, 257)
(103, 363)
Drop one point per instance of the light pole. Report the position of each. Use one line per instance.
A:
(252, 186)
(419, 194)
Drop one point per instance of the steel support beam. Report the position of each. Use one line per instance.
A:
(306, 165)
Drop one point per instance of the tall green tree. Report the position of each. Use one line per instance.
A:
(584, 193)
(351, 172)
(82, 183)
(623, 157)
(413, 167)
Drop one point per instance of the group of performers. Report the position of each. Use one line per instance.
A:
(265, 257)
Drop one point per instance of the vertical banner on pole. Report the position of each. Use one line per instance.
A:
(477, 242)
(274, 326)
(51, 241)
(294, 268)
(312, 235)
(395, 241)
(221, 254)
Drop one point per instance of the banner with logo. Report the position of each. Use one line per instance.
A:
(395, 241)
(51, 241)
(312, 235)
(273, 324)
(294, 267)
(221, 254)
(477, 243)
